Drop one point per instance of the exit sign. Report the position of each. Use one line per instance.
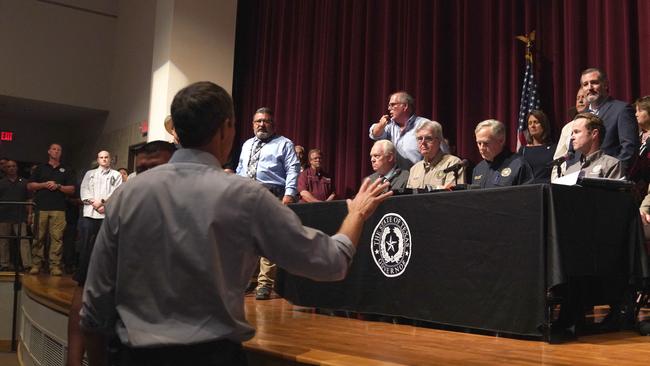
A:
(6, 136)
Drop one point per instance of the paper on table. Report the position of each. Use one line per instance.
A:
(568, 180)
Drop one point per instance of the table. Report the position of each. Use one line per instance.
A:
(478, 259)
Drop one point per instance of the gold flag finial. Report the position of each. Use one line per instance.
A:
(528, 39)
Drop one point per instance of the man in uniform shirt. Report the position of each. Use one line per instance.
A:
(384, 162)
(14, 219)
(399, 126)
(588, 133)
(313, 184)
(429, 172)
(622, 138)
(271, 160)
(500, 167)
(201, 232)
(51, 182)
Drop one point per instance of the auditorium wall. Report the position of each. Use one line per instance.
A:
(99, 54)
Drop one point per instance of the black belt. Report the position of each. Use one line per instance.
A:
(219, 352)
(277, 190)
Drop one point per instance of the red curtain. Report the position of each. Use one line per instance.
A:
(327, 67)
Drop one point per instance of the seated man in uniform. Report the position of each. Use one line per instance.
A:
(586, 137)
(500, 167)
(430, 172)
(384, 162)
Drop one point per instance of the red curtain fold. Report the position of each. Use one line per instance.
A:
(327, 67)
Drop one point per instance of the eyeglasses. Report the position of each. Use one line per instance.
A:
(392, 105)
(263, 121)
(426, 139)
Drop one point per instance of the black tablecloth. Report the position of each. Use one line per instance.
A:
(481, 259)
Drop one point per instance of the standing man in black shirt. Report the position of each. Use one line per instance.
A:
(51, 182)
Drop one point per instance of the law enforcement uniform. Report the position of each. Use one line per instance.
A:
(507, 169)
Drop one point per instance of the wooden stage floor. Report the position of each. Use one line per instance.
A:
(288, 334)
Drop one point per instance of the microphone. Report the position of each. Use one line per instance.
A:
(456, 167)
(568, 156)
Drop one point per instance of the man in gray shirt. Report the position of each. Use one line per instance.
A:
(200, 232)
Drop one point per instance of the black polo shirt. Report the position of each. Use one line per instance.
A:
(15, 191)
(45, 199)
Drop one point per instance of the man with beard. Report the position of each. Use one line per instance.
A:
(271, 160)
(621, 139)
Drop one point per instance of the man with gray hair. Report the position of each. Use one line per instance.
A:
(384, 163)
(399, 126)
(500, 167)
(432, 171)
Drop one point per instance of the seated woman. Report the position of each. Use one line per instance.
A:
(429, 172)
(539, 149)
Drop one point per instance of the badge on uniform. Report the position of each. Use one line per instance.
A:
(62, 170)
(597, 169)
(506, 172)
(113, 181)
(478, 177)
(440, 174)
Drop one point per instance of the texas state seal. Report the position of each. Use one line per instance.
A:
(390, 245)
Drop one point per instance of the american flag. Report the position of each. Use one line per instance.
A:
(528, 102)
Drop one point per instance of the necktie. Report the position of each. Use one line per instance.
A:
(251, 172)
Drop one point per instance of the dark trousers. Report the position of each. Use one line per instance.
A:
(88, 228)
(216, 353)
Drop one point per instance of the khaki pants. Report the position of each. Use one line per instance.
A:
(6, 229)
(52, 222)
(266, 278)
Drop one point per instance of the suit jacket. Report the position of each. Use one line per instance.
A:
(622, 132)
(397, 182)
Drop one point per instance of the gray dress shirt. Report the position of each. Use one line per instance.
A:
(179, 245)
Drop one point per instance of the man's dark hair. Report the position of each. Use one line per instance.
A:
(593, 123)
(601, 74)
(198, 111)
(156, 146)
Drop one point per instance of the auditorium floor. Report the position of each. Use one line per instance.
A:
(291, 335)
(300, 335)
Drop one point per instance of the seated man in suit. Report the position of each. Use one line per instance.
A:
(384, 163)
(587, 136)
(500, 167)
